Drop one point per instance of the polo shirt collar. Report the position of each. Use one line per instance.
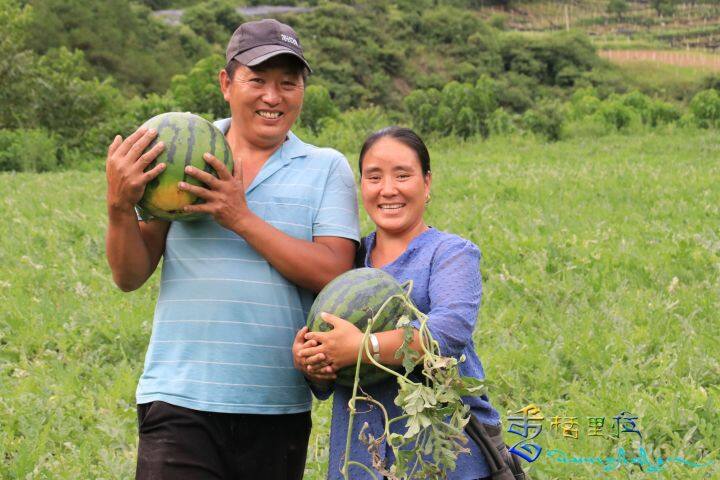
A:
(291, 148)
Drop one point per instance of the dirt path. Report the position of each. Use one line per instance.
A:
(705, 61)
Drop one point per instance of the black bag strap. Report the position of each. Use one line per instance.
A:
(501, 463)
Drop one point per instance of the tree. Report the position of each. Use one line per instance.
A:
(664, 8)
(317, 105)
(214, 20)
(199, 91)
(618, 7)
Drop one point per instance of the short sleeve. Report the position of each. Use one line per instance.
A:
(337, 215)
(455, 289)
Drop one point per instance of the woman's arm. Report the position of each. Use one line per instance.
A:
(455, 291)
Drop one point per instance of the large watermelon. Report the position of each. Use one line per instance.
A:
(187, 137)
(356, 296)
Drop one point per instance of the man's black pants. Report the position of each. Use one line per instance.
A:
(178, 443)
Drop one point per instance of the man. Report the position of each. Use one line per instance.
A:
(219, 397)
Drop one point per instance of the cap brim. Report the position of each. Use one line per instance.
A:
(256, 56)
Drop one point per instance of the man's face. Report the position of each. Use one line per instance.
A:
(265, 100)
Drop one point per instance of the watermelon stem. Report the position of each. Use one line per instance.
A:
(446, 434)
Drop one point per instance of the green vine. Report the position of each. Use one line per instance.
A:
(434, 414)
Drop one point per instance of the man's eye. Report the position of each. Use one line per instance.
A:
(403, 176)
(257, 80)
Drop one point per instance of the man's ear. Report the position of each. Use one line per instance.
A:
(224, 80)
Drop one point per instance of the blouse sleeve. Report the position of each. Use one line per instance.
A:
(455, 289)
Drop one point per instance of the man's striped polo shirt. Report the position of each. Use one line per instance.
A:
(225, 319)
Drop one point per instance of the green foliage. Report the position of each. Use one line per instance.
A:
(317, 106)
(617, 7)
(501, 123)
(616, 114)
(213, 20)
(199, 90)
(28, 150)
(546, 120)
(347, 131)
(461, 109)
(129, 116)
(119, 38)
(705, 108)
(664, 8)
(351, 55)
(551, 60)
(49, 92)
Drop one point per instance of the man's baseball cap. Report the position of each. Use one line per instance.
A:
(258, 41)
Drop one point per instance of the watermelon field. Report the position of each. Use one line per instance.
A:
(601, 268)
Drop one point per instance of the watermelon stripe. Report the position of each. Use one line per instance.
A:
(348, 290)
(356, 296)
(170, 150)
(213, 139)
(190, 145)
(227, 157)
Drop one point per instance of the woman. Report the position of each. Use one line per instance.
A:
(395, 183)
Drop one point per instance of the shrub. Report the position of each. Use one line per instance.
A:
(348, 131)
(616, 114)
(33, 150)
(501, 122)
(214, 20)
(546, 119)
(705, 108)
(317, 105)
(199, 90)
(663, 113)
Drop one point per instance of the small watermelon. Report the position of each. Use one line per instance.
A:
(356, 296)
(187, 137)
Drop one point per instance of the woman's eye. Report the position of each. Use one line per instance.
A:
(403, 176)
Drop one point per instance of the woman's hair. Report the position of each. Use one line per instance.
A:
(404, 136)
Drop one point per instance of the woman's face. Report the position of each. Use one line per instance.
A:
(393, 187)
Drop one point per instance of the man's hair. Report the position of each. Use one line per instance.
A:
(283, 61)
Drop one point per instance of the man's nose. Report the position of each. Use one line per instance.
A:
(271, 94)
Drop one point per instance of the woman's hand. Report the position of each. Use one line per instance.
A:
(317, 371)
(339, 347)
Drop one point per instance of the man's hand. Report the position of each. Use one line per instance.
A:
(125, 168)
(318, 371)
(225, 198)
(339, 347)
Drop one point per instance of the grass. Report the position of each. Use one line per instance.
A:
(663, 80)
(601, 267)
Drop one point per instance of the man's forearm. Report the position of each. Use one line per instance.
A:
(310, 265)
(126, 250)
